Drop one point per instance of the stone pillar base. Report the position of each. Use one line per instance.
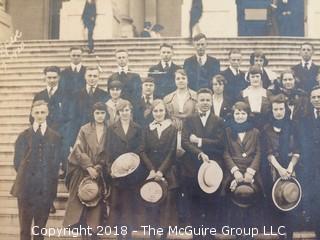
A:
(5, 26)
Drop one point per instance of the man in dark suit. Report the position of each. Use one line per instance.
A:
(306, 71)
(310, 149)
(37, 161)
(203, 140)
(235, 78)
(59, 114)
(131, 82)
(142, 110)
(72, 77)
(164, 72)
(201, 67)
(85, 99)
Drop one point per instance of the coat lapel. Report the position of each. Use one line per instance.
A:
(119, 131)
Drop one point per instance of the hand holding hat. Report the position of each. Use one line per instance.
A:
(152, 174)
(248, 177)
(238, 176)
(93, 173)
(204, 157)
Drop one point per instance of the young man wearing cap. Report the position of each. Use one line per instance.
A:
(36, 160)
(72, 77)
(142, 110)
(163, 72)
(310, 133)
(203, 140)
(200, 67)
(131, 82)
(85, 99)
(306, 71)
(235, 78)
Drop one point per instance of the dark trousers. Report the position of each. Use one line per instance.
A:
(32, 211)
(90, 37)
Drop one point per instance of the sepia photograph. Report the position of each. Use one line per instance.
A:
(159, 119)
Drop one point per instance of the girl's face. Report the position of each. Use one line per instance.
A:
(181, 81)
(159, 112)
(240, 116)
(217, 87)
(258, 61)
(255, 79)
(115, 93)
(99, 116)
(125, 113)
(278, 110)
(288, 81)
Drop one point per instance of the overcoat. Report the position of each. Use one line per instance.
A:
(87, 152)
(72, 81)
(142, 112)
(307, 79)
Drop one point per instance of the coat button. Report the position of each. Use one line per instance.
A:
(244, 155)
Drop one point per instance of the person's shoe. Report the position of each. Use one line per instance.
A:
(62, 174)
(91, 51)
(53, 209)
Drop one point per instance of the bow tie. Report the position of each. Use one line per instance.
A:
(157, 124)
(202, 114)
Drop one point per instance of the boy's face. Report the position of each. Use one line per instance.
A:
(200, 46)
(166, 54)
(204, 101)
(235, 60)
(40, 113)
(306, 52)
(92, 77)
(315, 98)
(122, 59)
(75, 56)
(148, 88)
(278, 110)
(52, 79)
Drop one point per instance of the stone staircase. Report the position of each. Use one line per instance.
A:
(21, 77)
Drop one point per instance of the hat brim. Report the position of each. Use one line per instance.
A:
(285, 207)
(244, 202)
(219, 176)
(162, 185)
(94, 202)
(117, 162)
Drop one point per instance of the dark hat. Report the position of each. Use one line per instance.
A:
(210, 176)
(128, 170)
(89, 192)
(115, 84)
(157, 28)
(244, 194)
(286, 194)
(154, 191)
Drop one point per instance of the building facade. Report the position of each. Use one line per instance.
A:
(61, 19)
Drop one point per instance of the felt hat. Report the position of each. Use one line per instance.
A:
(89, 192)
(157, 28)
(128, 170)
(286, 194)
(244, 194)
(154, 191)
(210, 176)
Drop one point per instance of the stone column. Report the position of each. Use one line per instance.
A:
(71, 27)
(313, 16)
(5, 23)
(219, 18)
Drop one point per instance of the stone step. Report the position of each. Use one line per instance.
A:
(6, 168)
(6, 183)
(15, 103)
(14, 119)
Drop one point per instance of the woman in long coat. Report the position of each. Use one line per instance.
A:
(159, 155)
(86, 159)
(242, 164)
(124, 136)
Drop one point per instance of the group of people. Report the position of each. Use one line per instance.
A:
(256, 127)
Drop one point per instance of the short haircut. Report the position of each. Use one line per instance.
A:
(147, 80)
(307, 43)
(279, 98)
(198, 37)
(181, 71)
(101, 107)
(167, 45)
(114, 84)
(255, 69)
(204, 90)
(317, 87)
(242, 106)
(39, 103)
(290, 71)
(122, 103)
(258, 53)
(51, 69)
(75, 48)
(121, 50)
(219, 78)
(234, 51)
(91, 68)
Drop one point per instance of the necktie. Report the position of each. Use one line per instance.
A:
(38, 132)
(200, 61)
(148, 100)
(318, 114)
(306, 66)
(50, 92)
(166, 68)
(91, 91)
(202, 114)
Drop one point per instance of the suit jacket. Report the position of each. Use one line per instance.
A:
(142, 115)
(87, 152)
(233, 155)
(59, 112)
(226, 109)
(131, 85)
(200, 76)
(307, 78)
(71, 82)
(213, 141)
(36, 179)
(234, 84)
(159, 154)
(164, 83)
(83, 103)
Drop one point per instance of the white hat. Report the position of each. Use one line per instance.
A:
(210, 176)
